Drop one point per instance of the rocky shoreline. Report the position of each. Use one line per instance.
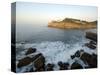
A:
(38, 60)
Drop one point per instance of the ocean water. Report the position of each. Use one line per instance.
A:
(55, 44)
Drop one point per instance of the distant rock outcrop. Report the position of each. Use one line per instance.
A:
(69, 23)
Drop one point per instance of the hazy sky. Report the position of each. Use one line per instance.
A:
(43, 13)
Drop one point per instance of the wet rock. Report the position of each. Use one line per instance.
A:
(91, 46)
(77, 54)
(93, 42)
(63, 66)
(76, 66)
(72, 56)
(39, 62)
(91, 36)
(49, 67)
(23, 62)
(91, 60)
(36, 56)
(27, 60)
(31, 50)
(40, 69)
(31, 70)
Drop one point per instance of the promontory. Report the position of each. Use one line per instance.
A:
(69, 23)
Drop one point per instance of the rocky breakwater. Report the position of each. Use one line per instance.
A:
(69, 23)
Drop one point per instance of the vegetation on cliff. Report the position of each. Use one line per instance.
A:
(69, 23)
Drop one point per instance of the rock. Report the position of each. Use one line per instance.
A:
(39, 62)
(72, 56)
(77, 54)
(91, 60)
(91, 36)
(36, 56)
(91, 46)
(23, 62)
(76, 66)
(31, 50)
(40, 69)
(92, 42)
(31, 70)
(49, 67)
(60, 63)
(63, 66)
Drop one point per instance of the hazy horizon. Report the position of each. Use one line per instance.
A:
(43, 13)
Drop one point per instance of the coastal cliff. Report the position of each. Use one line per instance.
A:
(69, 23)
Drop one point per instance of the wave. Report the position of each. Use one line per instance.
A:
(54, 51)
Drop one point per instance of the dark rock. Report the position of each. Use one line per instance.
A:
(90, 46)
(77, 54)
(36, 56)
(81, 50)
(91, 36)
(27, 60)
(39, 62)
(31, 70)
(23, 62)
(63, 66)
(40, 69)
(49, 67)
(60, 63)
(76, 66)
(72, 56)
(91, 60)
(92, 42)
(31, 50)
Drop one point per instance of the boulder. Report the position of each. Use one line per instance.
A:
(93, 42)
(63, 66)
(39, 61)
(77, 54)
(23, 62)
(72, 56)
(91, 60)
(31, 50)
(49, 67)
(76, 65)
(91, 36)
(31, 70)
(91, 46)
(40, 69)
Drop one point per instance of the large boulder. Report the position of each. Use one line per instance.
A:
(76, 65)
(23, 62)
(91, 60)
(39, 62)
(31, 50)
(91, 36)
(27, 60)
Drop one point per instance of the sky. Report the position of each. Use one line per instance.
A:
(28, 12)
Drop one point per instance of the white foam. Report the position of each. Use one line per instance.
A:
(58, 51)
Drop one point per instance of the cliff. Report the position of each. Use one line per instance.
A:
(69, 23)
